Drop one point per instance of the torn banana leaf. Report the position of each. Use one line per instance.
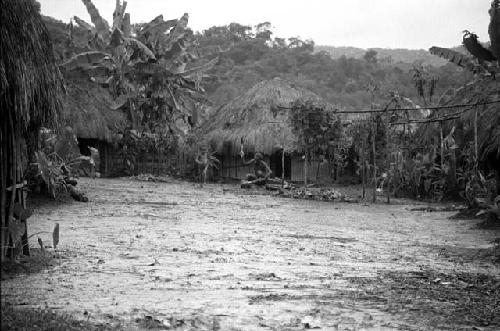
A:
(101, 25)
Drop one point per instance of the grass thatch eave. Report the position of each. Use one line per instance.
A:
(88, 109)
(259, 117)
(31, 82)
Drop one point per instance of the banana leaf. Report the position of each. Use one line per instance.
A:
(96, 42)
(455, 57)
(89, 60)
(118, 14)
(126, 28)
(140, 51)
(49, 173)
(84, 24)
(179, 29)
(157, 26)
(142, 69)
(116, 38)
(473, 46)
(101, 25)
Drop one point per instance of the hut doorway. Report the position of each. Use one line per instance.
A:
(277, 167)
(85, 143)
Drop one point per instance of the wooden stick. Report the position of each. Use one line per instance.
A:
(305, 169)
(441, 137)
(3, 182)
(363, 167)
(476, 151)
(432, 120)
(374, 162)
(388, 155)
(283, 168)
(382, 110)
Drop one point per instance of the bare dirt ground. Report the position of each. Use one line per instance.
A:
(173, 256)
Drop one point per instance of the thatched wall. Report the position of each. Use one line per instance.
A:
(256, 117)
(30, 96)
(31, 83)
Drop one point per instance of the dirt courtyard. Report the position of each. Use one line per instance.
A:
(173, 256)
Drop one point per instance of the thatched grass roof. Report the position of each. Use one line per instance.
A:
(30, 80)
(256, 117)
(89, 109)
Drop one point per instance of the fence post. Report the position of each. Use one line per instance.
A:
(374, 129)
(305, 169)
(283, 168)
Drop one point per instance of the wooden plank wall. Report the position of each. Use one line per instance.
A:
(232, 167)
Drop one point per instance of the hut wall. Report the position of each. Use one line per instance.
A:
(155, 163)
(232, 167)
(319, 174)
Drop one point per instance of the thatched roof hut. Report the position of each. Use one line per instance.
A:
(90, 110)
(259, 117)
(30, 96)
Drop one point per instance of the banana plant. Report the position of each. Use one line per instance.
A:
(155, 69)
(483, 59)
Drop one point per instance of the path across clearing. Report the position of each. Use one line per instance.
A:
(216, 258)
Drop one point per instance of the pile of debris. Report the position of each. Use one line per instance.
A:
(153, 178)
(289, 190)
(313, 193)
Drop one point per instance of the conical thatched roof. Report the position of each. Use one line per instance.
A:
(89, 109)
(258, 117)
(30, 80)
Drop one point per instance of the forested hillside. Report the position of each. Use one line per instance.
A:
(392, 55)
(252, 54)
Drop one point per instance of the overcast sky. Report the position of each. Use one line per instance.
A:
(360, 23)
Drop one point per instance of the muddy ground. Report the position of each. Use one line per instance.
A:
(173, 256)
